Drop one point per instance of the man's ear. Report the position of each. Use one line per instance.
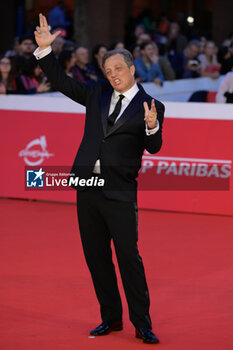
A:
(132, 70)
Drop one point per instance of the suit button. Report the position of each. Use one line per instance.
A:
(103, 141)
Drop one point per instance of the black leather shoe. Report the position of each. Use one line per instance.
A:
(107, 327)
(147, 335)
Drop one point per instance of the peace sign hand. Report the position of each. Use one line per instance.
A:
(42, 35)
(150, 114)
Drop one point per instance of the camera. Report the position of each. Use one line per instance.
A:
(193, 63)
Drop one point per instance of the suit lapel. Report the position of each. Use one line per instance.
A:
(131, 109)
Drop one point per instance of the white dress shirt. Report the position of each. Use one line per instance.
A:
(128, 96)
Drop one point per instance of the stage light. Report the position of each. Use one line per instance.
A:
(190, 19)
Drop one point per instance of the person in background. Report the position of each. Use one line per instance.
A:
(15, 50)
(176, 41)
(135, 51)
(165, 65)
(225, 57)
(186, 64)
(139, 29)
(160, 35)
(227, 42)
(116, 44)
(209, 64)
(97, 60)
(67, 61)
(27, 46)
(132, 31)
(147, 66)
(225, 91)
(34, 81)
(83, 71)
(143, 38)
(203, 42)
(57, 16)
(69, 45)
(7, 79)
(62, 31)
(57, 46)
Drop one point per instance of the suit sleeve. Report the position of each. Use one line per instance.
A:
(153, 143)
(61, 81)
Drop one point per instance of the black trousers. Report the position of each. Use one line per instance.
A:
(100, 221)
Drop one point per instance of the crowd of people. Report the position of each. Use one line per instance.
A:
(155, 60)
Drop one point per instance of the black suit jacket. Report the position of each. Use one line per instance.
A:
(120, 150)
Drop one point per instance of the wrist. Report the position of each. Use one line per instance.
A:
(151, 126)
(41, 48)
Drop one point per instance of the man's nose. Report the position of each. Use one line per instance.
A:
(113, 74)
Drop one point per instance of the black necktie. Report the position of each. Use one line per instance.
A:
(115, 113)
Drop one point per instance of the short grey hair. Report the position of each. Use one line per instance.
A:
(128, 58)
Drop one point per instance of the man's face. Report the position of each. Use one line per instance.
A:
(193, 51)
(120, 76)
(81, 55)
(27, 46)
(57, 45)
(148, 51)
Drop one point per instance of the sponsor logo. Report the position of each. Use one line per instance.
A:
(35, 178)
(181, 173)
(35, 152)
(187, 166)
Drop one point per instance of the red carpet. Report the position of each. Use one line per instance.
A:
(47, 301)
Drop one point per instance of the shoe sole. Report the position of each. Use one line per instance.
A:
(106, 333)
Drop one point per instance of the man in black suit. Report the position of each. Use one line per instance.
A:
(119, 126)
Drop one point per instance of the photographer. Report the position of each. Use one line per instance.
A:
(186, 64)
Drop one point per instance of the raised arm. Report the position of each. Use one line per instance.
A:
(42, 34)
(55, 74)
